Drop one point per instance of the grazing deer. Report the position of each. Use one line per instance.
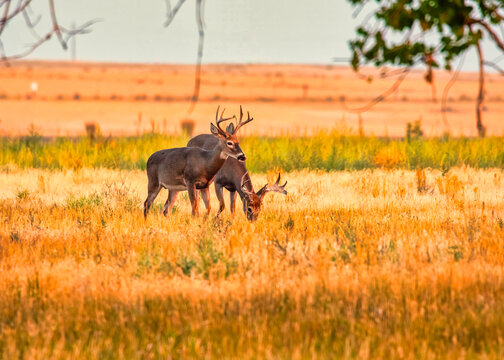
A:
(190, 168)
(235, 178)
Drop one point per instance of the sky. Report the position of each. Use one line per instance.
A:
(237, 31)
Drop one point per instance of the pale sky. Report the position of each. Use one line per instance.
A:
(237, 31)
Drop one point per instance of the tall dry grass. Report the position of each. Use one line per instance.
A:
(348, 265)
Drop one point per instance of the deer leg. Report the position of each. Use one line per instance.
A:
(232, 201)
(220, 197)
(153, 191)
(193, 197)
(205, 194)
(170, 201)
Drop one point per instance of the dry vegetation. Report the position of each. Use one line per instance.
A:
(363, 264)
(130, 99)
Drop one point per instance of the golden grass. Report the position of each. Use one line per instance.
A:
(348, 265)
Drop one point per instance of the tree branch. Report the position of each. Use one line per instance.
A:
(170, 13)
(56, 26)
(201, 42)
(479, 101)
(498, 41)
(7, 17)
(447, 88)
(381, 97)
(494, 66)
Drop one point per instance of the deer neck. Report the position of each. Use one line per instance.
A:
(216, 159)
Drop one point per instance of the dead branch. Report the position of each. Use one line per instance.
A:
(200, 5)
(494, 66)
(447, 88)
(381, 97)
(481, 92)
(170, 13)
(22, 9)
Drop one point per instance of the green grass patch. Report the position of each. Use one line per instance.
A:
(325, 151)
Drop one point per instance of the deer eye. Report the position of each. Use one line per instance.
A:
(229, 143)
(249, 209)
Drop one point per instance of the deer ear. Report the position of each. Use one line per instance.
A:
(215, 132)
(230, 128)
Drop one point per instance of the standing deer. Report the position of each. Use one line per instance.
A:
(190, 168)
(235, 178)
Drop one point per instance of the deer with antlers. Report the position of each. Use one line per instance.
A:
(191, 168)
(234, 177)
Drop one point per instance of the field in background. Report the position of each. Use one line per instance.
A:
(364, 264)
(324, 151)
(298, 99)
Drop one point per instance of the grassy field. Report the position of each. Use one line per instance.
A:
(325, 151)
(362, 264)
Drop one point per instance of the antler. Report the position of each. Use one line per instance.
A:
(243, 181)
(275, 187)
(240, 123)
(221, 119)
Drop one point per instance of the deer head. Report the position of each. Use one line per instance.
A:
(253, 201)
(229, 141)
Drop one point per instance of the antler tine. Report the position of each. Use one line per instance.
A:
(277, 187)
(241, 123)
(278, 182)
(217, 114)
(244, 181)
(221, 119)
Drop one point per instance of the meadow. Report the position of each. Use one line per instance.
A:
(327, 151)
(383, 248)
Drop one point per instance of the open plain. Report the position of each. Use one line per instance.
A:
(385, 247)
(348, 264)
(130, 99)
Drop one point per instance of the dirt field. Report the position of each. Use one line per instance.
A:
(131, 99)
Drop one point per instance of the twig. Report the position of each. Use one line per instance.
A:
(170, 13)
(447, 88)
(494, 66)
(381, 97)
(56, 26)
(201, 41)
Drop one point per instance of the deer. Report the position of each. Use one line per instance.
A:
(190, 168)
(234, 177)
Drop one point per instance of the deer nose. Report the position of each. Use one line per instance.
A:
(242, 157)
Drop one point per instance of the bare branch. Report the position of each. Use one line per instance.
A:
(170, 13)
(201, 41)
(494, 66)
(7, 17)
(447, 88)
(381, 97)
(56, 26)
(481, 92)
(31, 24)
(83, 29)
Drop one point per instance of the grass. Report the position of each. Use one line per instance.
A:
(348, 265)
(326, 151)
